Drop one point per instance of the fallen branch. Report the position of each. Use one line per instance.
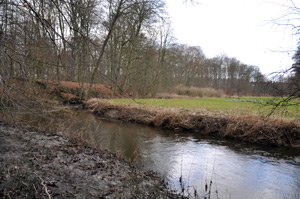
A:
(44, 185)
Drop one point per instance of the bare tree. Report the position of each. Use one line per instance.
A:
(126, 44)
(289, 89)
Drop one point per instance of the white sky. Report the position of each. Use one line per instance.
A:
(237, 28)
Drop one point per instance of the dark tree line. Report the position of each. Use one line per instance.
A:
(126, 44)
(189, 66)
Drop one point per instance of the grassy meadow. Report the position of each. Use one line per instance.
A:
(242, 106)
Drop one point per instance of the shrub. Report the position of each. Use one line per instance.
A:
(196, 91)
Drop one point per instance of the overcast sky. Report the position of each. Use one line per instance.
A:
(237, 28)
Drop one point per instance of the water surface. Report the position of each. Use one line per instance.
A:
(237, 170)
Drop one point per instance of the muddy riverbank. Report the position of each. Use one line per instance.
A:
(275, 132)
(42, 165)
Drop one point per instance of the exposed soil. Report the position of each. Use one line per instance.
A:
(253, 130)
(42, 165)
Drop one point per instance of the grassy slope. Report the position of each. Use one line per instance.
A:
(232, 106)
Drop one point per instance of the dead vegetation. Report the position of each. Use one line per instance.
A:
(192, 91)
(28, 93)
(75, 92)
(253, 129)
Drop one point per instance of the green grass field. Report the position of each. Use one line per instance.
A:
(232, 106)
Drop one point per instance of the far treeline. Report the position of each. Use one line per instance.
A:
(126, 44)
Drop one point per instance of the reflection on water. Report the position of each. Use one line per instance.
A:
(237, 170)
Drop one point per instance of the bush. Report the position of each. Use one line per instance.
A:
(196, 91)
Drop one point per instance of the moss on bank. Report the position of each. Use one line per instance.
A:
(258, 130)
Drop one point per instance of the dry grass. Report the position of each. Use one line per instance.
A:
(98, 88)
(254, 129)
(171, 96)
(196, 91)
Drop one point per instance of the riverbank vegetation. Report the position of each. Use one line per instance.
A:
(248, 128)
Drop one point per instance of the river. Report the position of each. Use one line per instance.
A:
(228, 168)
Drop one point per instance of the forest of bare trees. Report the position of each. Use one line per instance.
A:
(125, 44)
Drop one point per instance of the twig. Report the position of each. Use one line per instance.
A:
(44, 185)
(34, 187)
(69, 192)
